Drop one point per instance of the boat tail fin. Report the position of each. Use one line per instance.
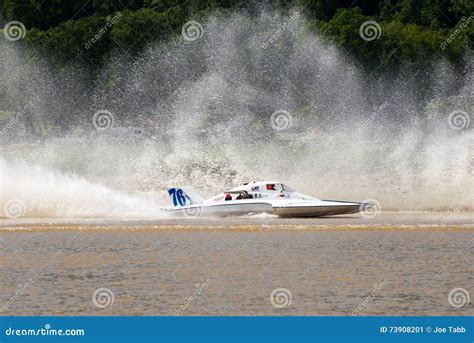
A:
(184, 196)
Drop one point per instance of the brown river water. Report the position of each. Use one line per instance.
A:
(395, 264)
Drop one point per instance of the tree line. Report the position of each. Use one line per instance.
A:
(415, 30)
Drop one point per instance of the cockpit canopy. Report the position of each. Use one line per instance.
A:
(258, 190)
(263, 187)
(279, 187)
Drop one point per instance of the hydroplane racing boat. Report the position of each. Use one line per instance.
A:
(258, 197)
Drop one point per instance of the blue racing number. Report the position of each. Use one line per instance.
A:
(178, 196)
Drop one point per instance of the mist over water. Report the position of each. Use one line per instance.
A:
(32, 191)
(199, 113)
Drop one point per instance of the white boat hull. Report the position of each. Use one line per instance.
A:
(278, 208)
(222, 210)
(258, 197)
(315, 211)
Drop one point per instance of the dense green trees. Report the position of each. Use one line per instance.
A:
(414, 30)
(410, 42)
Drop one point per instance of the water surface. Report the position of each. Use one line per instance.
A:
(153, 270)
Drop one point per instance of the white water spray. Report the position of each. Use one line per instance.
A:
(33, 191)
(206, 108)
